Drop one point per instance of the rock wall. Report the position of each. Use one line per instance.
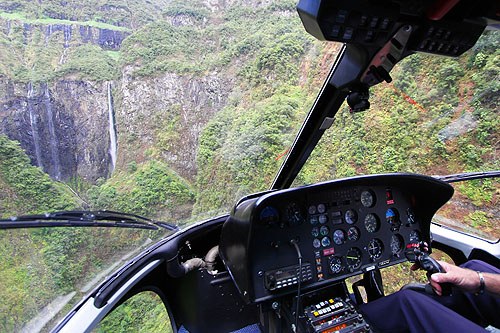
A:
(147, 105)
(62, 126)
(75, 34)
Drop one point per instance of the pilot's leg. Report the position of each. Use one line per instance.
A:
(481, 309)
(410, 311)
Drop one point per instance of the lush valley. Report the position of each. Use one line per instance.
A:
(206, 96)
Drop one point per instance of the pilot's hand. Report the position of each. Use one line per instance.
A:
(461, 278)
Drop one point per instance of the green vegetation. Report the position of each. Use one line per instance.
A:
(151, 190)
(105, 14)
(90, 62)
(131, 317)
(47, 59)
(25, 188)
(20, 17)
(248, 137)
(478, 191)
(160, 47)
(41, 263)
(397, 136)
(194, 9)
(277, 71)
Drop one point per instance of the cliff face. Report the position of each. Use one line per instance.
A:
(168, 112)
(74, 33)
(55, 74)
(62, 126)
(61, 120)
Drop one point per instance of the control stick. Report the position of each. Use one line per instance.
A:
(416, 253)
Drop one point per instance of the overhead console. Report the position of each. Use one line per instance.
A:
(445, 27)
(342, 227)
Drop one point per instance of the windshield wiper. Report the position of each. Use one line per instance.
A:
(458, 177)
(101, 218)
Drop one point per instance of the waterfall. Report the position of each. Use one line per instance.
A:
(34, 127)
(48, 32)
(67, 35)
(63, 57)
(112, 131)
(54, 151)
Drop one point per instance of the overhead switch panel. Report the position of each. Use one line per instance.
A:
(372, 24)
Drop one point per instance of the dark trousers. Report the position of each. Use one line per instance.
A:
(410, 311)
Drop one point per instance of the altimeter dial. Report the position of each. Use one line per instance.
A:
(339, 237)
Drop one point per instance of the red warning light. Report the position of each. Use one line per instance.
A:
(389, 198)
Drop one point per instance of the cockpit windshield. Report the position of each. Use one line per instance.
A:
(173, 110)
(438, 117)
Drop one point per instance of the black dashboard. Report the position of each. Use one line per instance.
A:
(342, 228)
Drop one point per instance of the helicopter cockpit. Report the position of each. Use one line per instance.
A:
(281, 259)
(367, 234)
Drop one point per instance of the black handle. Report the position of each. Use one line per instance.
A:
(432, 266)
(415, 254)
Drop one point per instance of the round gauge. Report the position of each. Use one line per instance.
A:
(367, 198)
(375, 248)
(371, 223)
(353, 258)
(313, 220)
(411, 216)
(269, 215)
(353, 234)
(336, 265)
(351, 216)
(315, 232)
(325, 241)
(321, 208)
(323, 219)
(312, 210)
(414, 237)
(397, 244)
(316, 243)
(339, 237)
(324, 230)
(294, 214)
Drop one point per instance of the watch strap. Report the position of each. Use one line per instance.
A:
(482, 285)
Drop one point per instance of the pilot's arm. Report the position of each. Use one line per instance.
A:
(465, 279)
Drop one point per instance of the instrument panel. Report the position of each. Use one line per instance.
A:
(342, 228)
